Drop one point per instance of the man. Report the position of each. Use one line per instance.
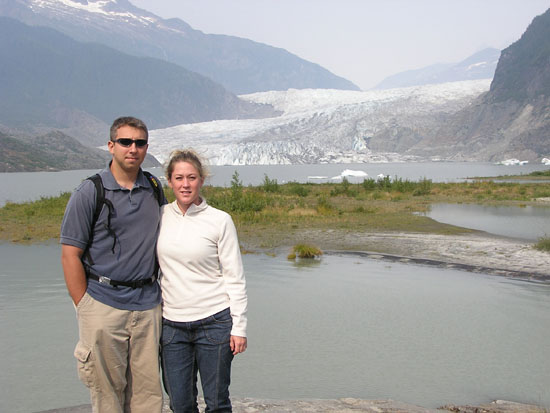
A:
(110, 270)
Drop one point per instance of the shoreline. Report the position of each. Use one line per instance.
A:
(478, 252)
(251, 405)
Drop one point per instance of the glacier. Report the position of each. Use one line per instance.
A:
(320, 125)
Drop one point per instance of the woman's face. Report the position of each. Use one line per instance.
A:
(186, 183)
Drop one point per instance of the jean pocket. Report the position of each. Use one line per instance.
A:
(218, 331)
(84, 360)
(168, 333)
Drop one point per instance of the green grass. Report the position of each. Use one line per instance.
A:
(304, 251)
(273, 214)
(543, 244)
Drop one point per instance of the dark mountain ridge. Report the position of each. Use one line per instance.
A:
(49, 80)
(240, 65)
(53, 151)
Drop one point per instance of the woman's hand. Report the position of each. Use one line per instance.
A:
(237, 344)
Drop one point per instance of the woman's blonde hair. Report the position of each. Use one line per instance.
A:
(186, 155)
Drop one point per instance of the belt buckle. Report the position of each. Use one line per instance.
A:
(104, 280)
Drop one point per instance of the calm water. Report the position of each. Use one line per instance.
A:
(342, 327)
(24, 186)
(529, 223)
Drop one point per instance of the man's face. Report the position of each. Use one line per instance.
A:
(128, 158)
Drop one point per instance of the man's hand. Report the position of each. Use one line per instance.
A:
(75, 277)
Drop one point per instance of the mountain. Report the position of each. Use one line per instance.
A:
(51, 152)
(512, 120)
(49, 80)
(325, 126)
(240, 65)
(480, 65)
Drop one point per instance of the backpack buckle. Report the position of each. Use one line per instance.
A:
(104, 280)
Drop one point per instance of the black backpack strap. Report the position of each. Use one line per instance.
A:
(155, 185)
(157, 190)
(100, 200)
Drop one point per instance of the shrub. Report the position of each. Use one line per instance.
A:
(236, 185)
(424, 187)
(270, 185)
(295, 188)
(304, 251)
(543, 244)
(343, 188)
(369, 184)
(324, 207)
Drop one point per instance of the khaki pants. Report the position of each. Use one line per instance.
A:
(118, 357)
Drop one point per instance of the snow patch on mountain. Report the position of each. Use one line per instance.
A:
(105, 8)
(318, 125)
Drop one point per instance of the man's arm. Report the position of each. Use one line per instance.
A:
(75, 276)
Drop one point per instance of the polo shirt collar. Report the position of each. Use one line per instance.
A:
(110, 183)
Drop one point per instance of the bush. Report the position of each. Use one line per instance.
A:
(369, 184)
(324, 207)
(236, 185)
(270, 185)
(343, 188)
(543, 244)
(424, 187)
(294, 188)
(304, 251)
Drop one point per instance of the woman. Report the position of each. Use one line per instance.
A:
(203, 291)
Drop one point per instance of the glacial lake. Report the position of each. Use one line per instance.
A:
(338, 327)
(24, 186)
(527, 223)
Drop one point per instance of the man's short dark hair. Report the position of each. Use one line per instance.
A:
(128, 121)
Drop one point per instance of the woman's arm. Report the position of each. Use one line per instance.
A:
(229, 255)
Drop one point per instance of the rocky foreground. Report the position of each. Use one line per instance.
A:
(347, 405)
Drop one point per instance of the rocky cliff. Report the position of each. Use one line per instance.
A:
(511, 120)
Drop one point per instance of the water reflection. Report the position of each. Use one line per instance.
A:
(300, 263)
(527, 222)
(334, 327)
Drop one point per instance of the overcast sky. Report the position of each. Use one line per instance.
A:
(362, 40)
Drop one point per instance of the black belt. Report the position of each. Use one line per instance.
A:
(134, 284)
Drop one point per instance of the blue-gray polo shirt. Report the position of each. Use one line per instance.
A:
(135, 221)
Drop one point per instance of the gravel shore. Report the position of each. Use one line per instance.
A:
(478, 251)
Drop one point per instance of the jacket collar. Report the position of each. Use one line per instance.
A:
(192, 210)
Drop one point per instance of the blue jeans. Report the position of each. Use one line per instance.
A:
(198, 346)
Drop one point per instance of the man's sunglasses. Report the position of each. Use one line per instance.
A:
(127, 142)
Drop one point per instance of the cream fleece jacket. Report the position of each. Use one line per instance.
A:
(201, 266)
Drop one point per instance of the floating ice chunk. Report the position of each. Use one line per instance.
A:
(351, 172)
(545, 161)
(317, 177)
(380, 176)
(513, 161)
